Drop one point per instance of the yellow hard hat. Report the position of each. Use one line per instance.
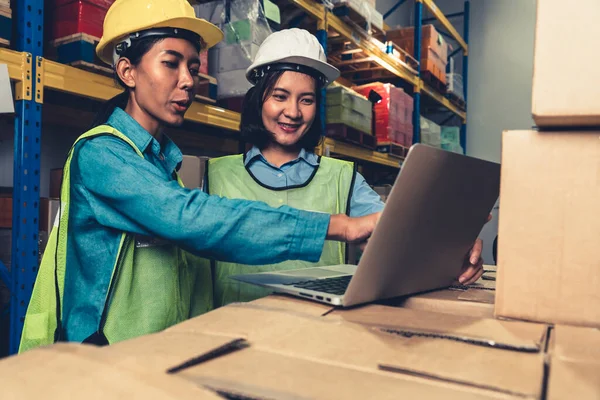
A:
(125, 18)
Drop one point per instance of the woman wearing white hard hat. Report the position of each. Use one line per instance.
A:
(114, 268)
(281, 120)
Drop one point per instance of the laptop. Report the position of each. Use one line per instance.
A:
(436, 209)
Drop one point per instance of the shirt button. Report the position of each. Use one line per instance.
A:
(279, 175)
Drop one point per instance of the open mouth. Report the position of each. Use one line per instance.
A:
(289, 127)
(181, 106)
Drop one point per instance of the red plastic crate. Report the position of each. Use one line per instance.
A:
(67, 17)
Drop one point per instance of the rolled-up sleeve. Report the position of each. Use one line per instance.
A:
(128, 193)
(364, 200)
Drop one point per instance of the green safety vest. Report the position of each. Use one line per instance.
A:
(153, 284)
(327, 191)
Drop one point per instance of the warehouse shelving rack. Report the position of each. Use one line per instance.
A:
(327, 21)
(32, 75)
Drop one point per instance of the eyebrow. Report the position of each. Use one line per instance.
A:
(301, 94)
(195, 60)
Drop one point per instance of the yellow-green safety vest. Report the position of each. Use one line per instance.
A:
(153, 284)
(328, 190)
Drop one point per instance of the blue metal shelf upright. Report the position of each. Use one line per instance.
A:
(26, 179)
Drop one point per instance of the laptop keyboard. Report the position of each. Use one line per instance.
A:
(336, 285)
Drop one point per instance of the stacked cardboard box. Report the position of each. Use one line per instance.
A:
(344, 106)
(245, 27)
(393, 114)
(549, 225)
(434, 49)
(548, 253)
(287, 348)
(192, 171)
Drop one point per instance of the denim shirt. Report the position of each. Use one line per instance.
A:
(364, 200)
(114, 190)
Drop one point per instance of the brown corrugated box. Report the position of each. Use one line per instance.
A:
(56, 176)
(6, 210)
(549, 227)
(475, 300)
(436, 347)
(192, 171)
(279, 350)
(76, 371)
(574, 363)
(566, 88)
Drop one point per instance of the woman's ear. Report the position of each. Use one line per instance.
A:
(126, 72)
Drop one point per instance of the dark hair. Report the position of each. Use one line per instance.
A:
(134, 53)
(252, 128)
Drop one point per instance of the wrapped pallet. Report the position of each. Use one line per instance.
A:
(431, 133)
(245, 27)
(451, 139)
(344, 106)
(393, 114)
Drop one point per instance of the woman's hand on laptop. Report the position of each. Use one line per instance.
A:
(352, 230)
(473, 266)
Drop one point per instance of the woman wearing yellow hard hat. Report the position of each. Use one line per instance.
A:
(114, 268)
(280, 118)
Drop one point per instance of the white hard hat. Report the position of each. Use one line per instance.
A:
(292, 49)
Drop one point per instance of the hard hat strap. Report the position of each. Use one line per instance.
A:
(259, 72)
(121, 48)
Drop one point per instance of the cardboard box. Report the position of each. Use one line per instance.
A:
(475, 300)
(437, 347)
(248, 350)
(48, 212)
(192, 171)
(548, 253)
(79, 371)
(566, 90)
(5, 247)
(448, 347)
(56, 176)
(239, 368)
(5, 210)
(293, 304)
(574, 363)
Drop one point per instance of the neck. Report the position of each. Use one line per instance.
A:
(278, 155)
(146, 121)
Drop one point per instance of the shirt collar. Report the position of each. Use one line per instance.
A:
(143, 140)
(128, 126)
(307, 156)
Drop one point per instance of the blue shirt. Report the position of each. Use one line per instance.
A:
(114, 190)
(364, 200)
